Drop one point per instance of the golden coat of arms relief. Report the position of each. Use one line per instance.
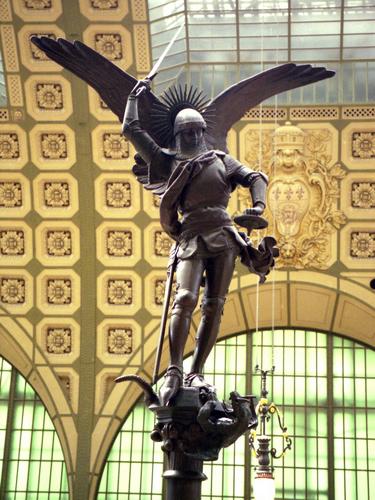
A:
(302, 193)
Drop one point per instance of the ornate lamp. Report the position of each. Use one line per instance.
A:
(264, 483)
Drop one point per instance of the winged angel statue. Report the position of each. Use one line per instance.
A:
(182, 156)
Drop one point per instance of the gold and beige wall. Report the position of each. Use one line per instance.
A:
(82, 255)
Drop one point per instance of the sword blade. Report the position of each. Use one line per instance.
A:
(156, 66)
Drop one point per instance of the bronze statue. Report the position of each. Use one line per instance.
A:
(182, 156)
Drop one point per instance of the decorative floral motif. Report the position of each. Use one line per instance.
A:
(120, 341)
(12, 290)
(49, 96)
(363, 145)
(9, 146)
(162, 244)
(59, 340)
(115, 147)
(120, 292)
(56, 194)
(109, 45)
(36, 53)
(362, 245)
(118, 194)
(363, 195)
(119, 243)
(12, 242)
(59, 291)
(59, 243)
(54, 146)
(10, 194)
(159, 292)
(104, 4)
(38, 4)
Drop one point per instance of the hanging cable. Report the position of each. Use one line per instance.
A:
(260, 162)
(273, 213)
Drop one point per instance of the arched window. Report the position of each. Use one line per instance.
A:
(31, 460)
(325, 386)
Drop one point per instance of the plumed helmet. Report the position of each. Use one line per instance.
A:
(188, 118)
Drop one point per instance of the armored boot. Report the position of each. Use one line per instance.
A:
(171, 386)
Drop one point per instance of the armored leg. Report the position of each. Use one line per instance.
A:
(219, 271)
(189, 276)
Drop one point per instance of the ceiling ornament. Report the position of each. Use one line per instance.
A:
(302, 194)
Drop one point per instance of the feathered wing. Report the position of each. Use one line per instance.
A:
(112, 83)
(231, 104)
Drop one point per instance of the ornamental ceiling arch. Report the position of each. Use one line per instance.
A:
(82, 256)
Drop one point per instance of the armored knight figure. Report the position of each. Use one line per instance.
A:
(182, 157)
(198, 188)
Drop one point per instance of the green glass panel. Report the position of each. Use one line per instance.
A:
(310, 339)
(299, 367)
(370, 363)
(360, 362)
(348, 389)
(370, 391)
(360, 392)
(300, 390)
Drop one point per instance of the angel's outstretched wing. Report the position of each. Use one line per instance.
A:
(231, 104)
(112, 83)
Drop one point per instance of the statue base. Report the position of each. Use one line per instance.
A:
(195, 428)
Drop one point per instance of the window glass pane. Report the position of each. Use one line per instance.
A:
(28, 442)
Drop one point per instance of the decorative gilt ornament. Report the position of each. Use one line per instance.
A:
(118, 194)
(162, 244)
(12, 242)
(56, 194)
(363, 195)
(59, 291)
(115, 147)
(363, 145)
(109, 45)
(362, 245)
(10, 194)
(120, 292)
(53, 146)
(104, 4)
(159, 291)
(12, 290)
(120, 341)
(302, 192)
(9, 146)
(38, 4)
(49, 96)
(119, 243)
(59, 340)
(59, 243)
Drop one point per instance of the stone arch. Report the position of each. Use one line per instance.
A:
(18, 348)
(302, 299)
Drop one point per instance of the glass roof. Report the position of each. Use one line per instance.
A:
(260, 33)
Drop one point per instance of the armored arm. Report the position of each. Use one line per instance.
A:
(131, 126)
(254, 180)
(257, 188)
